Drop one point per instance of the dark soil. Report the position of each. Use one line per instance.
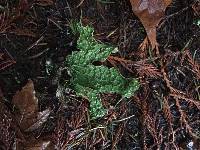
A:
(35, 38)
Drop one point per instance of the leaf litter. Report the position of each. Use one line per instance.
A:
(28, 115)
(164, 114)
(29, 118)
(150, 13)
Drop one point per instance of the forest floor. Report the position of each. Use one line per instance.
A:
(35, 38)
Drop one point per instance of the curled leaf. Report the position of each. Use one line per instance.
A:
(25, 100)
(28, 116)
(150, 13)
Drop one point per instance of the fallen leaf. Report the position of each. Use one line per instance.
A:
(150, 13)
(25, 99)
(41, 118)
(32, 143)
(26, 103)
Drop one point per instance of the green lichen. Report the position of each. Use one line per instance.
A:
(89, 80)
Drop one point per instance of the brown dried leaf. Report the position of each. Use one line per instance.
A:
(150, 13)
(41, 118)
(25, 99)
(35, 144)
(28, 116)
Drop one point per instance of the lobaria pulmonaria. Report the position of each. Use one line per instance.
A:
(89, 80)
